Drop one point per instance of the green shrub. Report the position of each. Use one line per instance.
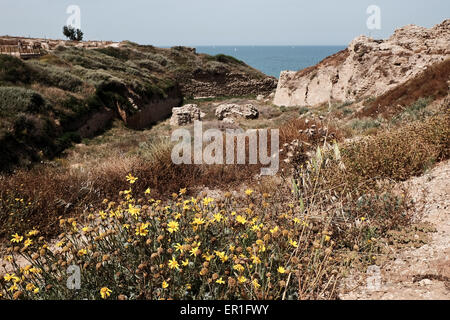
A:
(14, 70)
(121, 54)
(16, 99)
(158, 58)
(228, 59)
(56, 76)
(303, 110)
(365, 124)
(150, 65)
(415, 111)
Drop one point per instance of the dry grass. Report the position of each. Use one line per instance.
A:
(62, 191)
(395, 154)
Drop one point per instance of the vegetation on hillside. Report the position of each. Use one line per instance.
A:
(70, 84)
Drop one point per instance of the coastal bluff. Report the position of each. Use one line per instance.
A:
(367, 68)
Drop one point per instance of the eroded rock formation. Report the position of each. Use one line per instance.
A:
(367, 67)
(185, 115)
(247, 111)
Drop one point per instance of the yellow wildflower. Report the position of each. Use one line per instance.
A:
(207, 201)
(195, 251)
(16, 238)
(218, 217)
(173, 226)
(293, 243)
(238, 267)
(30, 287)
(179, 247)
(198, 221)
(105, 292)
(257, 227)
(208, 257)
(102, 214)
(165, 284)
(177, 216)
(256, 284)
(281, 270)
(131, 179)
(33, 232)
(220, 281)
(135, 212)
(256, 259)
(27, 243)
(35, 270)
(248, 192)
(14, 287)
(142, 229)
(241, 219)
(222, 256)
(173, 264)
(8, 277)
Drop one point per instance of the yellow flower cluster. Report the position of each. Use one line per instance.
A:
(140, 247)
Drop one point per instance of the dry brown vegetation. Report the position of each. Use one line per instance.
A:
(59, 191)
(395, 154)
(433, 82)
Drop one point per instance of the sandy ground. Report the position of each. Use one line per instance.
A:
(416, 273)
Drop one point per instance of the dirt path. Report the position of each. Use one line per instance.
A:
(418, 273)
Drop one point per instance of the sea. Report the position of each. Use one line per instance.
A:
(273, 59)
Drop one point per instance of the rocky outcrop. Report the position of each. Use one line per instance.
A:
(185, 115)
(227, 111)
(367, 67)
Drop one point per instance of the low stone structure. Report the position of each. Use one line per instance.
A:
(226, 111)
(185, 115)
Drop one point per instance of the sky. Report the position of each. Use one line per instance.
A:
(219, 22)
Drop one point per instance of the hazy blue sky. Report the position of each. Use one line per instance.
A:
(219, 22)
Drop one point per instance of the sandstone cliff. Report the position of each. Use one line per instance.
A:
(367, 67)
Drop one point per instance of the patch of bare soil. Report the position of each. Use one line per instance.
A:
(418, 272)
